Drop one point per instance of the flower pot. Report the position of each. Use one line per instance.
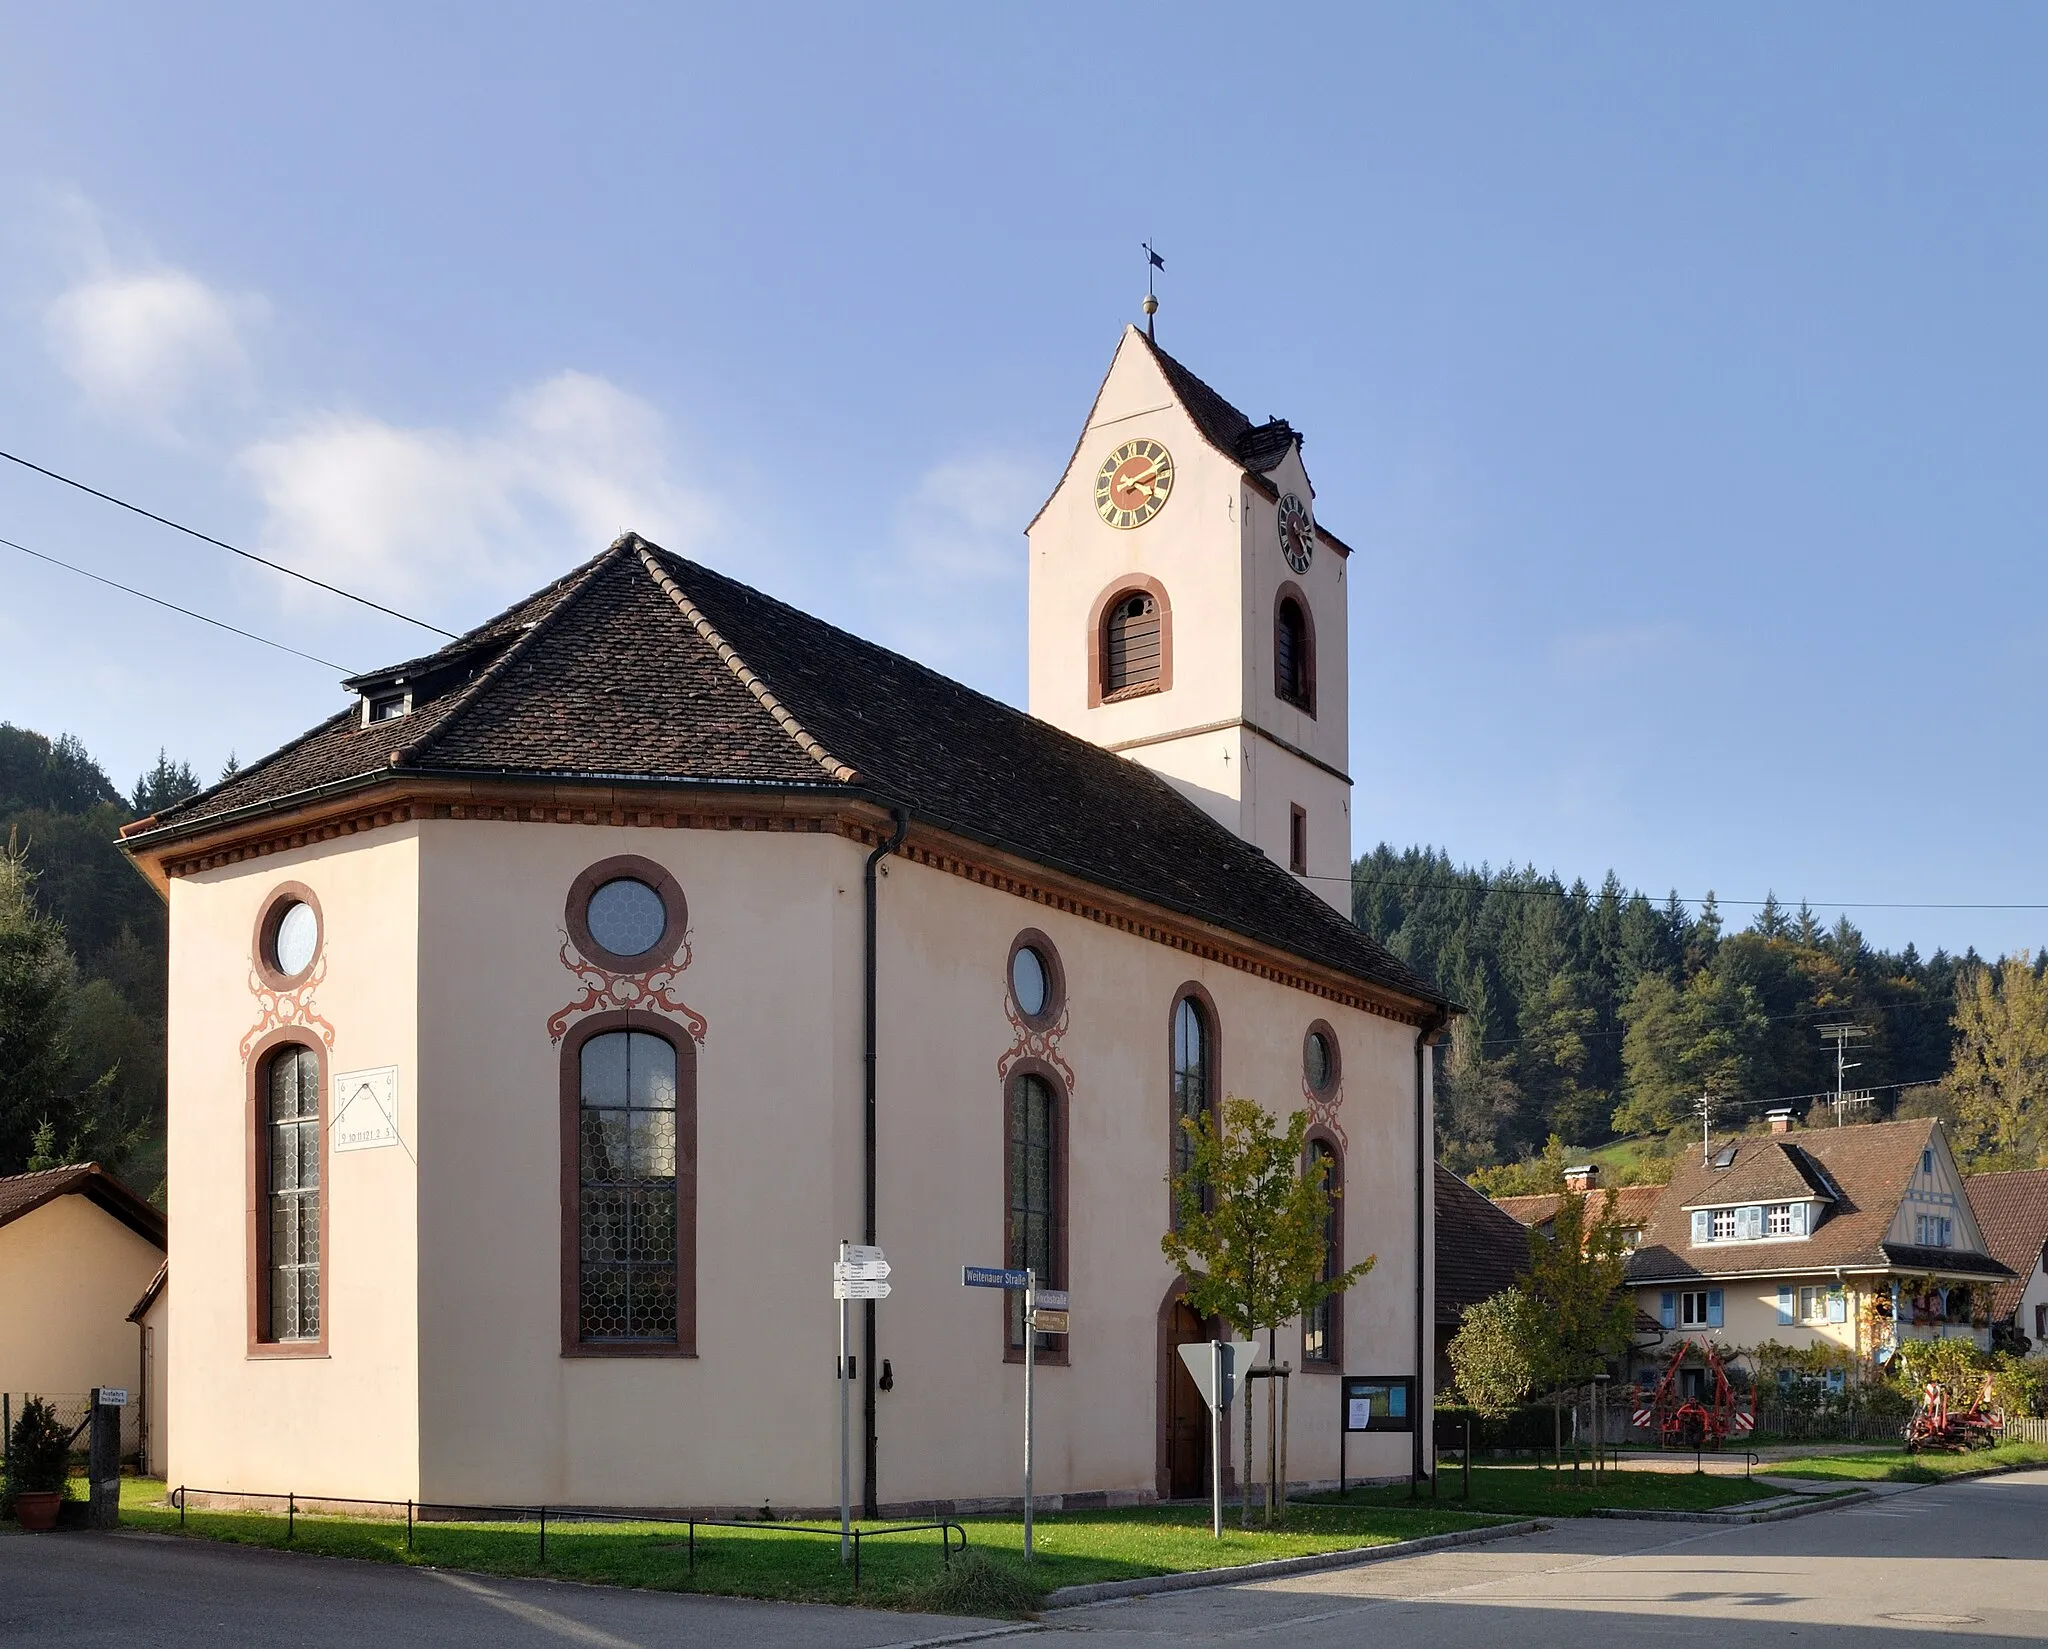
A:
(38, 1511)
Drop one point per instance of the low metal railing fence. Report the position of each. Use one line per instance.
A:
(417, 1511)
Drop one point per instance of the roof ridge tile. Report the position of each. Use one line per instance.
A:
(742, 672)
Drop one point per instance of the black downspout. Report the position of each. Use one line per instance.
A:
(1425, 1039)
(869, 1451)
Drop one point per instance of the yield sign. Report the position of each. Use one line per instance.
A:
(1201, 1361)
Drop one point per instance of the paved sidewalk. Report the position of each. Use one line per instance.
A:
(130, 1589)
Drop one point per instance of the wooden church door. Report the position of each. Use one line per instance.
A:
(1187, 1416)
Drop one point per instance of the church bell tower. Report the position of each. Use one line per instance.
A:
(1188, 612)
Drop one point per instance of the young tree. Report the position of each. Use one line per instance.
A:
(1999, 1079)
(1251, 1233)
(1490, 1353)
(1580, 1316)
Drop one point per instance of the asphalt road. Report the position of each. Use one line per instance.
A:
(1963, 1563)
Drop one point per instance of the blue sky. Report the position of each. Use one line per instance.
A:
(1678, 372)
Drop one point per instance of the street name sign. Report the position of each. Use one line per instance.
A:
(993, 1276)
(1052, 1299)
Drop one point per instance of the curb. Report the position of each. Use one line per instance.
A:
(1806, 1506)
(1105, 1591)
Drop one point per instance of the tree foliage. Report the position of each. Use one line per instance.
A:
(1596, 1010)
(1253, 1209)
(1491, 1353)
(1998, 1084)
(1581, 1313)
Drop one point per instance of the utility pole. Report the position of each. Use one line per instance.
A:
(1705, 1107)
(1842, 1036)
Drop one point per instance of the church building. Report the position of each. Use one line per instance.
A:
(542, 1022)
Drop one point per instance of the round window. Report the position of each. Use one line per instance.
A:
(297, 938)
(1029, 982)
(1316, 1061)
(626, 917)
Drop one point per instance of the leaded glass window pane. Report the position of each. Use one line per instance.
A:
(292, 1158)
(626, 1209)
(1034, 1215)
(1318, 1336)
(1190, 1080)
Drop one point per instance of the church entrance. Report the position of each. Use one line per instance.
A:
(1186, 1416)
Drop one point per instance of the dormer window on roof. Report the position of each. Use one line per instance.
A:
(386, 707)
(1754, 1222)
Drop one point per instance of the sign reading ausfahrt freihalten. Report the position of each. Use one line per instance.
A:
(113, 1397)
(366, 1109)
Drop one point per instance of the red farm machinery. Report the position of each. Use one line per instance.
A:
(1700, 1412)
(1937, 1426)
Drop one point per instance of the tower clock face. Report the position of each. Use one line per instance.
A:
(1134, 483)
(1297, 533)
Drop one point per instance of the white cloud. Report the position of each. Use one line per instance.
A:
(955, 594)
(1618, 653)
(146, 347)
(420, 513)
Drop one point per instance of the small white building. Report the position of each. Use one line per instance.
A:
(542, 1021)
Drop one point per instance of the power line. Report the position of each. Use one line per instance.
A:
(222, 544)
(247, 635)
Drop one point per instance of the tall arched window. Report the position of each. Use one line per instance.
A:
(1293, 654)
(1036, 1171)
(1131, 650)
(1193, 1064)
(290, 1151)
(1320, 1336)
(630, 1237)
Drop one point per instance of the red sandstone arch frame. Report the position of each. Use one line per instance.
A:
(1057, 1355)
(1212, 1073)
(1332, 1359)
(257, 1252)
(685, 1046)
(1098, 639)
(1291, 591)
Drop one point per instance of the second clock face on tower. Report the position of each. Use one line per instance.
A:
(1134, 483)
(1297, 533)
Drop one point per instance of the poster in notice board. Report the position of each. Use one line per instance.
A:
(1375, 1402)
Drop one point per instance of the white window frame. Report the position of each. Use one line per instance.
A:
(1692, 1308)
(1721, 1227)
(1778, 1220)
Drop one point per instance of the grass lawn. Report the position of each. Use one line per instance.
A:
(1529, 1491)
(1074, 1548)
(1897, 1466)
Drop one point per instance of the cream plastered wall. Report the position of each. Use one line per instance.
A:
(775, 934)
(345, 1423)
(69, 1275)
(1750, 1312)
(1937, 1189)
(1215, 548)
(953, 1423)
(776, 973)
(2034, 1297)
(156, 1418)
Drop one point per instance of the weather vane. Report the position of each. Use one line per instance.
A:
(1152, 261)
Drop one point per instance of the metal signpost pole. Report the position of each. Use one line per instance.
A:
(845, 1430)
(1216, 1439)
(1030, 1359)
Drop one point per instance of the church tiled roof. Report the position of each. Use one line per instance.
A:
(641, 666)
(1256, 446)
(1480, 1249)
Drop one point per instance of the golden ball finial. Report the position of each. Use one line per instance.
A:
(1151, 304)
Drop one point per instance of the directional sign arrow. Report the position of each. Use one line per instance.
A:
(865, 1271)
(855, 1253)
(849, 1289)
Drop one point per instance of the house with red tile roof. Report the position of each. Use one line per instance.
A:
(2012, 1211)
(1858, 1238)
(1480, 1251)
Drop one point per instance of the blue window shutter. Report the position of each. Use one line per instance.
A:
(1785, 1304)
(1838, 1307)
(1713, 1308)
(1702, 1226)
(1799, 1219)
(1667, 1309)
